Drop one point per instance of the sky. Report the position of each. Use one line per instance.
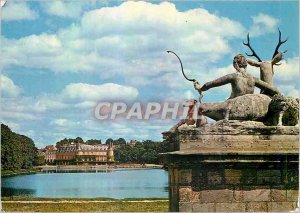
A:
(61, 58)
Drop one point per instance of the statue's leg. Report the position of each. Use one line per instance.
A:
(216, 111)
(280, 118)
(201, 120)
(226, 114)
(175, 127)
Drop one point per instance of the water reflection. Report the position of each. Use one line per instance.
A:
(10, 191)
(112, 183)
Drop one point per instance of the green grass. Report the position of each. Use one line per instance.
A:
(77, 199)
(109, 205)
(5, 173)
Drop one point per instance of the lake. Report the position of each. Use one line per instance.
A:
(112, 183)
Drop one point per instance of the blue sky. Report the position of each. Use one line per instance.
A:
(57, 54)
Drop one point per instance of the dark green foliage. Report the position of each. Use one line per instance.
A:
(118, 142)
(109, 140)
(145, 152)
(77, 140)
(17, 151)
(93, 142)
(68, 141)
(39, 160)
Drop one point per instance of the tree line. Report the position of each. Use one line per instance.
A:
(120, 141)
(142, 152)
(17, 151)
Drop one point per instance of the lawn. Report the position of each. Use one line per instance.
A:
(85, 205)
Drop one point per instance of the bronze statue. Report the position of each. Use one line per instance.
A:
(242, 103)
(266, 67)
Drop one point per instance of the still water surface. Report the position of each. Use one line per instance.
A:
(115, 183)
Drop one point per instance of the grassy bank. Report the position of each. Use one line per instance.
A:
(7, 173)
(85, 205)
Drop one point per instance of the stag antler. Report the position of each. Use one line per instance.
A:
(279, 44)
(253, 52)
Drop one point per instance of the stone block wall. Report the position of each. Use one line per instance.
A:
(234, 188)
(235, 168)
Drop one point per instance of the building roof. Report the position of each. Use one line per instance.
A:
(50, 147)
(93, 147)
(82, 147)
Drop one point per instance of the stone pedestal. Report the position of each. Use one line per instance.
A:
(233, 167)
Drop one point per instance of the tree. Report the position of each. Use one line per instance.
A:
(39, 160)
(145, 152)
(77, 140)
(120, 141)
(108, 141)
(93, 142)
(17, 151)
(66, 141)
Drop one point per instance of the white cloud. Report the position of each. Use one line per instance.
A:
(75, 96)
(89, 92)
(17, 115)
(2, 3)
(290, 90)
(75, 102)
(262, 24)
(62, 122)
(288, 70)
(129, 39)
(17, 10)
(8, 88)
(85, 104)
(286, 77)
(48, 102)
(36, 49)
(71, 9)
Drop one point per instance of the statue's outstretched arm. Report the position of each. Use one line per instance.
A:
(265, 86)
(253, 63)
(218, 82)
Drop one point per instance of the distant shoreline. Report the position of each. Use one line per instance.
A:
(38, 169)
(108, 166)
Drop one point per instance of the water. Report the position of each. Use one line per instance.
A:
(117, 183)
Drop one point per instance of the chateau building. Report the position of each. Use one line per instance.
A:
(77, 153)
(49, 153)
(66, 153)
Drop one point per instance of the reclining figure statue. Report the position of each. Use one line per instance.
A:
(242, 103)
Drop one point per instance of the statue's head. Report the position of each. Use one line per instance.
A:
(239, 61)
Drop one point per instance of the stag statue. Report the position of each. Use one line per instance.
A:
(266, 67)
